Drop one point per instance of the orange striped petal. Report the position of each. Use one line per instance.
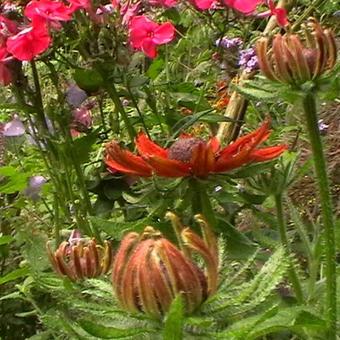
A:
(147, 147)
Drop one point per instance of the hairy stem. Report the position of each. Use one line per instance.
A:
(311, 118)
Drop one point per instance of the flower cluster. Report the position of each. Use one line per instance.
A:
(191, 156)
(248, 60)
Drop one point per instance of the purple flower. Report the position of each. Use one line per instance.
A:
(34, 186)
(248, 60)
(75, 96)
(14, 128)
(229, 43)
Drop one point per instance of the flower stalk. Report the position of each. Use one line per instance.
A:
(311, 118)
(293, 277)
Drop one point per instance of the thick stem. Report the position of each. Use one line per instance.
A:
(293, 277)
(201, 202)
(309, 106)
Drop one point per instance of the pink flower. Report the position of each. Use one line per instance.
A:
(145, 34)
(81, 120)
(163, 3)
(5, 73)
(79, 4)
(243, 6)
(204, 4)
(53, 11)
(29, 42)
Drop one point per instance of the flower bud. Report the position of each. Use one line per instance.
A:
(79, 258)
(149, 271)
(294, 61)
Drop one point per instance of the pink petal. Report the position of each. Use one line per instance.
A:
(149, 48)
(244, 6)
(164, 33)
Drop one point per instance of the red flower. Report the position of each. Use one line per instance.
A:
(190, 156)
(30, 42)
(145, 34)
(280, 13)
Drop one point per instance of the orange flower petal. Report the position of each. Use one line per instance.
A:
(147, 147)
(169, 167)
(125, 161)
(269, 153)
(202, 160)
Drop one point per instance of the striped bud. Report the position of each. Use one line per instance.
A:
(293, 59)
(149, 271)
(79, 258)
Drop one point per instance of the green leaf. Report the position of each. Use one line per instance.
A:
(118, 229)
(6, 239)
(82, 147)
(103, 332)
(13, 275)
(174, 321)
(15, 181)
(155, 68)
(88, 80)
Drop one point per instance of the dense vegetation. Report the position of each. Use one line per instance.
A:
(169, 169)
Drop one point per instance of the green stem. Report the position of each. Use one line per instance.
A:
(39, 102)
(116, 100)
(293, 277)
(309, 106)
(201, 202)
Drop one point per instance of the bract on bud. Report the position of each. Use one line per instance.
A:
(293, 59)
(79, 258)
(149, 271)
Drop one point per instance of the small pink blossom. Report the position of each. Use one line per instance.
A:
(81, 120)
(30, 42)
(146, 35)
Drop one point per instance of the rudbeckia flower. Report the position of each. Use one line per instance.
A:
(191, 156)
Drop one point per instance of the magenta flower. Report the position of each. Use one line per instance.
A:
(204, 4)
(5, 73)
(30, 42)
(244, 6)
(146, 35)
(52, 11)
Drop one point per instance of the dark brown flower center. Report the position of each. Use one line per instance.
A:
(182, 149)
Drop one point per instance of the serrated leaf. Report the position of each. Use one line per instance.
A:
(103, 332)
(174, 321)
(13, 275)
